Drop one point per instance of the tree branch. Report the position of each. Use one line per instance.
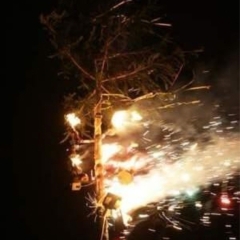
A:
(177, 75)
(79, 67)
(125, 75)
(124, 54)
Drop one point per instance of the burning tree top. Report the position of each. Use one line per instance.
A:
(126, 45)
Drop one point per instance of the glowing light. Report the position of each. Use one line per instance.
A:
(137, 193)
(73, 120)
(193, 147)
(185, 177)
(154, 179)
(198, 204)
(225, 200)
(227, 163)
(76, 160)
(191, 192)
(143, 215)
(141, 168)
(119, 119)
(122, 118)
(109, 150)
(125, 177)
(135, 116)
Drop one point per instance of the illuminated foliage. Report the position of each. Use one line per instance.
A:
(126, 44)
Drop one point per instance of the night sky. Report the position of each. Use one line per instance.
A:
(36, 181)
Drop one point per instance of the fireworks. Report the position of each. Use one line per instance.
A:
(73, 120)
(172, 165)
(154, 161)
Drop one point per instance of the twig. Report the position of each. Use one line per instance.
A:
(123, 76)
(74, 61)
(177, 75)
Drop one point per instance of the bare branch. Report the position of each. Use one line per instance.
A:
(177, 75)
(146, 96)
(123, 76)
(115, 95)
(79, 67)
(124, 54)
(92, 94)
(185, 86)
(104, 59)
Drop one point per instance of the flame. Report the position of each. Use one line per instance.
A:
(135, 116)
(123, 118)
(119, 119)
(73, 120)
(158, 171)
(108, 150)
(76, 160)
(141, 169)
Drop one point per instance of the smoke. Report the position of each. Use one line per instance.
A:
(183, 147)
(175, 170)
(179, 145)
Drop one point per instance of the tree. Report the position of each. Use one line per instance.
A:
(115, 55)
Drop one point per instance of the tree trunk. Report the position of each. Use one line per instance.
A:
(98, 167)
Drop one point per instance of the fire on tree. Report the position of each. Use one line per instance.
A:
(123, 69)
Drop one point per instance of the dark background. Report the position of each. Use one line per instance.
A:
(35, 182)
